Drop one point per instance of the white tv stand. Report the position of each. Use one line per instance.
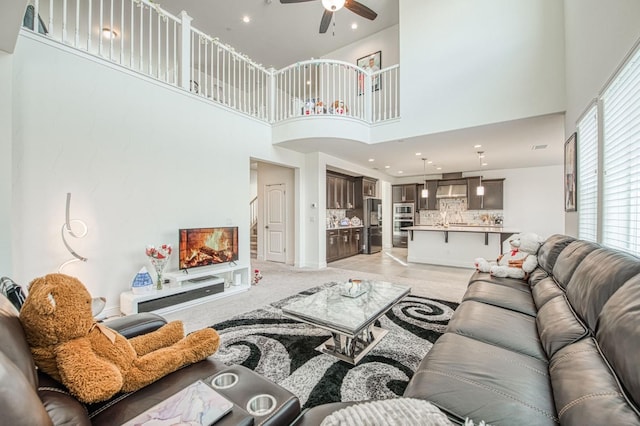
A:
(188, 289)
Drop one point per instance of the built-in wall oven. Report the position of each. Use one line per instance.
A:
(403, 214)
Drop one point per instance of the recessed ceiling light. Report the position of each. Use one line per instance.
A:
(418, 154)
(354, 26)
(246, 19)
(485, 164)
(477, 146)
(371, 160)
(438, 168)
(537, 147)
(481, 155)
(429, 162)
(387, 167)
(400, 172)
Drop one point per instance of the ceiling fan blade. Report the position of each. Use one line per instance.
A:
(325, 21)
(360, 9)
(294, 1)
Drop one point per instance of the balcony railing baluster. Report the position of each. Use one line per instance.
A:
(197, 62)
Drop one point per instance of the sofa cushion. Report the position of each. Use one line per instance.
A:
(19, 404)
(569, 259)
(482, 381)
(545, 290)
(599, 276)
(498, 326)
(508, 282)
(536, 276)
(558, 325)
(550, 250)
(13, 342)
(585, 390)
(619, 335)
(514, 298)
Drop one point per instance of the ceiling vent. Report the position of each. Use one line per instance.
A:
(537, 147)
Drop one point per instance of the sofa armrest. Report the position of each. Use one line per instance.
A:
(62, 408)
(135, 325)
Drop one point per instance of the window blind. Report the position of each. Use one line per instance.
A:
(587, 150)
(621, 159)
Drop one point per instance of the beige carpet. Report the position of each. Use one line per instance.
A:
(280, 281)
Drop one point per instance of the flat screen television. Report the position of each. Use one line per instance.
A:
(207, 246)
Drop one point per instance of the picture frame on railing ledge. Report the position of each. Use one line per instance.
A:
(371, 62)
(570, 178)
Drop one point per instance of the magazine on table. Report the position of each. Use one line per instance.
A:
(197, 404)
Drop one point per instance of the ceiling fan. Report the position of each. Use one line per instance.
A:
(331, 6)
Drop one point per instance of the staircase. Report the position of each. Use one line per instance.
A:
(253, 228)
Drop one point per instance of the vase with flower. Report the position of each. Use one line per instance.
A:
(159, 256)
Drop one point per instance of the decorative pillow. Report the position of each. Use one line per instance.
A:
(399, 411)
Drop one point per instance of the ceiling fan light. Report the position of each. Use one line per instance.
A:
(333, 5)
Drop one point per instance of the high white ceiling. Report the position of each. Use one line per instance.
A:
(282, 34)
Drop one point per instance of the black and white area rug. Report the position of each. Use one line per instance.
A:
(283, 350)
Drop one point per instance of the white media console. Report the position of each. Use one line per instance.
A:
(188, 289)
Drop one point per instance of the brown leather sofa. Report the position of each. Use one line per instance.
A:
(563, 347)
(28, 397)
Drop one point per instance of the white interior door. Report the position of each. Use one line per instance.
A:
(275, 223)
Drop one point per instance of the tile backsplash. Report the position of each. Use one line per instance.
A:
(456, 212)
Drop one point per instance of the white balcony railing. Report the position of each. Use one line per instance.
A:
(141, 36)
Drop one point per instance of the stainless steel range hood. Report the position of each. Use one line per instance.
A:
(451, 191)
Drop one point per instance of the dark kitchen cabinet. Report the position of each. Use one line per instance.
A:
(343, 242)
(403, 193)
(340, 192)
(365, 187)
(368, 187)
(333, 236)
(493, 194)
(428, 203)
(356, 240)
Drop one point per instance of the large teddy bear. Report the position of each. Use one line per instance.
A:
(93, 361)
(519, 262)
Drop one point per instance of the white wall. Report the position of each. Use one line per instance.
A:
(598, 37)
(533, 199)
(385, 41)
(137, 170)
(465, 63)
(6, 62)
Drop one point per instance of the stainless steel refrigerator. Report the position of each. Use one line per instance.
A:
(372, 225)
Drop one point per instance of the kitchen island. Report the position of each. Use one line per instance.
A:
(455, 245)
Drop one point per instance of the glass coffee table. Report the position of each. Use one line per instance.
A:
(348, 311)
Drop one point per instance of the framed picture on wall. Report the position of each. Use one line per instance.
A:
(371, 63)
(570, 171)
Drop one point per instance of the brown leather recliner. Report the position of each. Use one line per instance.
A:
(28, 397)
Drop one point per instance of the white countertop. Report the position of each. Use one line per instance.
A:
(466, 228)
(344, 227)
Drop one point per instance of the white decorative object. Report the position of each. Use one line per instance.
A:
(142, 282)
(66, 229)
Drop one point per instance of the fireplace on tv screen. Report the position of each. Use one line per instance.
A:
(207, 246)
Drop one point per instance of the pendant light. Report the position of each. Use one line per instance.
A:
(480, 188)
(425, 191)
